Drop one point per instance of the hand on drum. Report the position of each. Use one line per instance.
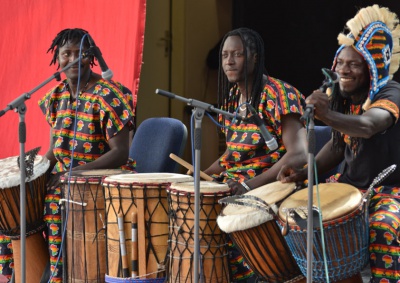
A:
(289, 174)
(237, 188)
(54, 180)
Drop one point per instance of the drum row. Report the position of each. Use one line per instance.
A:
(141, 226)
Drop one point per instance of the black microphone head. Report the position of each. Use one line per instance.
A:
(334, 77)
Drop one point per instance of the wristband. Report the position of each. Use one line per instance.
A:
(246, 186)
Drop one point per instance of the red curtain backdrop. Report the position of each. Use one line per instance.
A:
(27, 30)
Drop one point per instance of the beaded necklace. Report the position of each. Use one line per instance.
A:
(83, 89)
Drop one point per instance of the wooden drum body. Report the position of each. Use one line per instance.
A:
(36, 253)
(212, 241)
(145, 194)
(85, 259)
(344, 220)
(250, 222)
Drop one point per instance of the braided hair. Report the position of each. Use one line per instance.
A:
(342, 105)
(253, 43)
(68, 35)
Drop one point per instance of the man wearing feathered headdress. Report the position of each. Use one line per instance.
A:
(363, 111)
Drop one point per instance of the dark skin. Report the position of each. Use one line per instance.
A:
(354, 84)
(293, 132)
(119, 144)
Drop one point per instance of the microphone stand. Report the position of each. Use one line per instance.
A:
(198, 111)
(331, 79)
(309, 113)
(19, 105)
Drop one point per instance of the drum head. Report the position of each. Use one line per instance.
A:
(10, 173)
(240, 217)
(336, 199)
(83, 176)
(206, 187)
(148, 178)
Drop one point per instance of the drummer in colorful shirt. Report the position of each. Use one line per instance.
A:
(248, 162)
(90, 119)
(363, 111)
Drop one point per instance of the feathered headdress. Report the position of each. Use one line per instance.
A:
(374, 33)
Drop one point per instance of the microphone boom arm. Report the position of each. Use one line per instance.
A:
(198, 104)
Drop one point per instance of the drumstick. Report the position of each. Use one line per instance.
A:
(190, 167)
(134, 260)
(125, 269)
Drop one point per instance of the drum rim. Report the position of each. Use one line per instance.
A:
(356, 206)
(230, 223)
(41, 165)
(359, 210)
(186, 188)
(136, 178)
(243, 217)
(74, 177)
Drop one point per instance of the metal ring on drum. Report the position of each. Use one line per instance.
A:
(251, 225)
(345, 228)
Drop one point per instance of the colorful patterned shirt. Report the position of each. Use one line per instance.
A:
(103, 110)
(248, 155)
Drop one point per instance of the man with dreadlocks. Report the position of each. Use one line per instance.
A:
(364, 114)
(90, 119)
(247, 162)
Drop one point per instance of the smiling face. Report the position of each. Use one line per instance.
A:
(67, 54)
(354, 74)
(233, 61)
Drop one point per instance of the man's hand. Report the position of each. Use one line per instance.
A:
(237, 188)
(292, 175)
(54, 180)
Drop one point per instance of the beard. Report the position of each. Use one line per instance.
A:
(356, 97)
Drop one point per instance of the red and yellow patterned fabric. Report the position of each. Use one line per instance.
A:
(248, 155)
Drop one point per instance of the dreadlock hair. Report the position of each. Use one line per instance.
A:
(68, 35)
(342, 105)
(253, 43)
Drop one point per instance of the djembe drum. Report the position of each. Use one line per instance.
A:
(213, 244)
(83, 194)
(345, 230)
(36, 254)
(250, 221)
(144, 194)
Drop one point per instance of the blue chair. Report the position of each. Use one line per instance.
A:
(155, 139)
(322, 136)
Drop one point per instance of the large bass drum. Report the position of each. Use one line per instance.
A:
(250, 221)
(345, 230)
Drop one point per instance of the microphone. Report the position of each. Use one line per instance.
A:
(106, 73)
(332, 78)
(269, 140)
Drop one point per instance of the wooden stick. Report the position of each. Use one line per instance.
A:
(190, 167)
(125, 268)
(134, 260)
